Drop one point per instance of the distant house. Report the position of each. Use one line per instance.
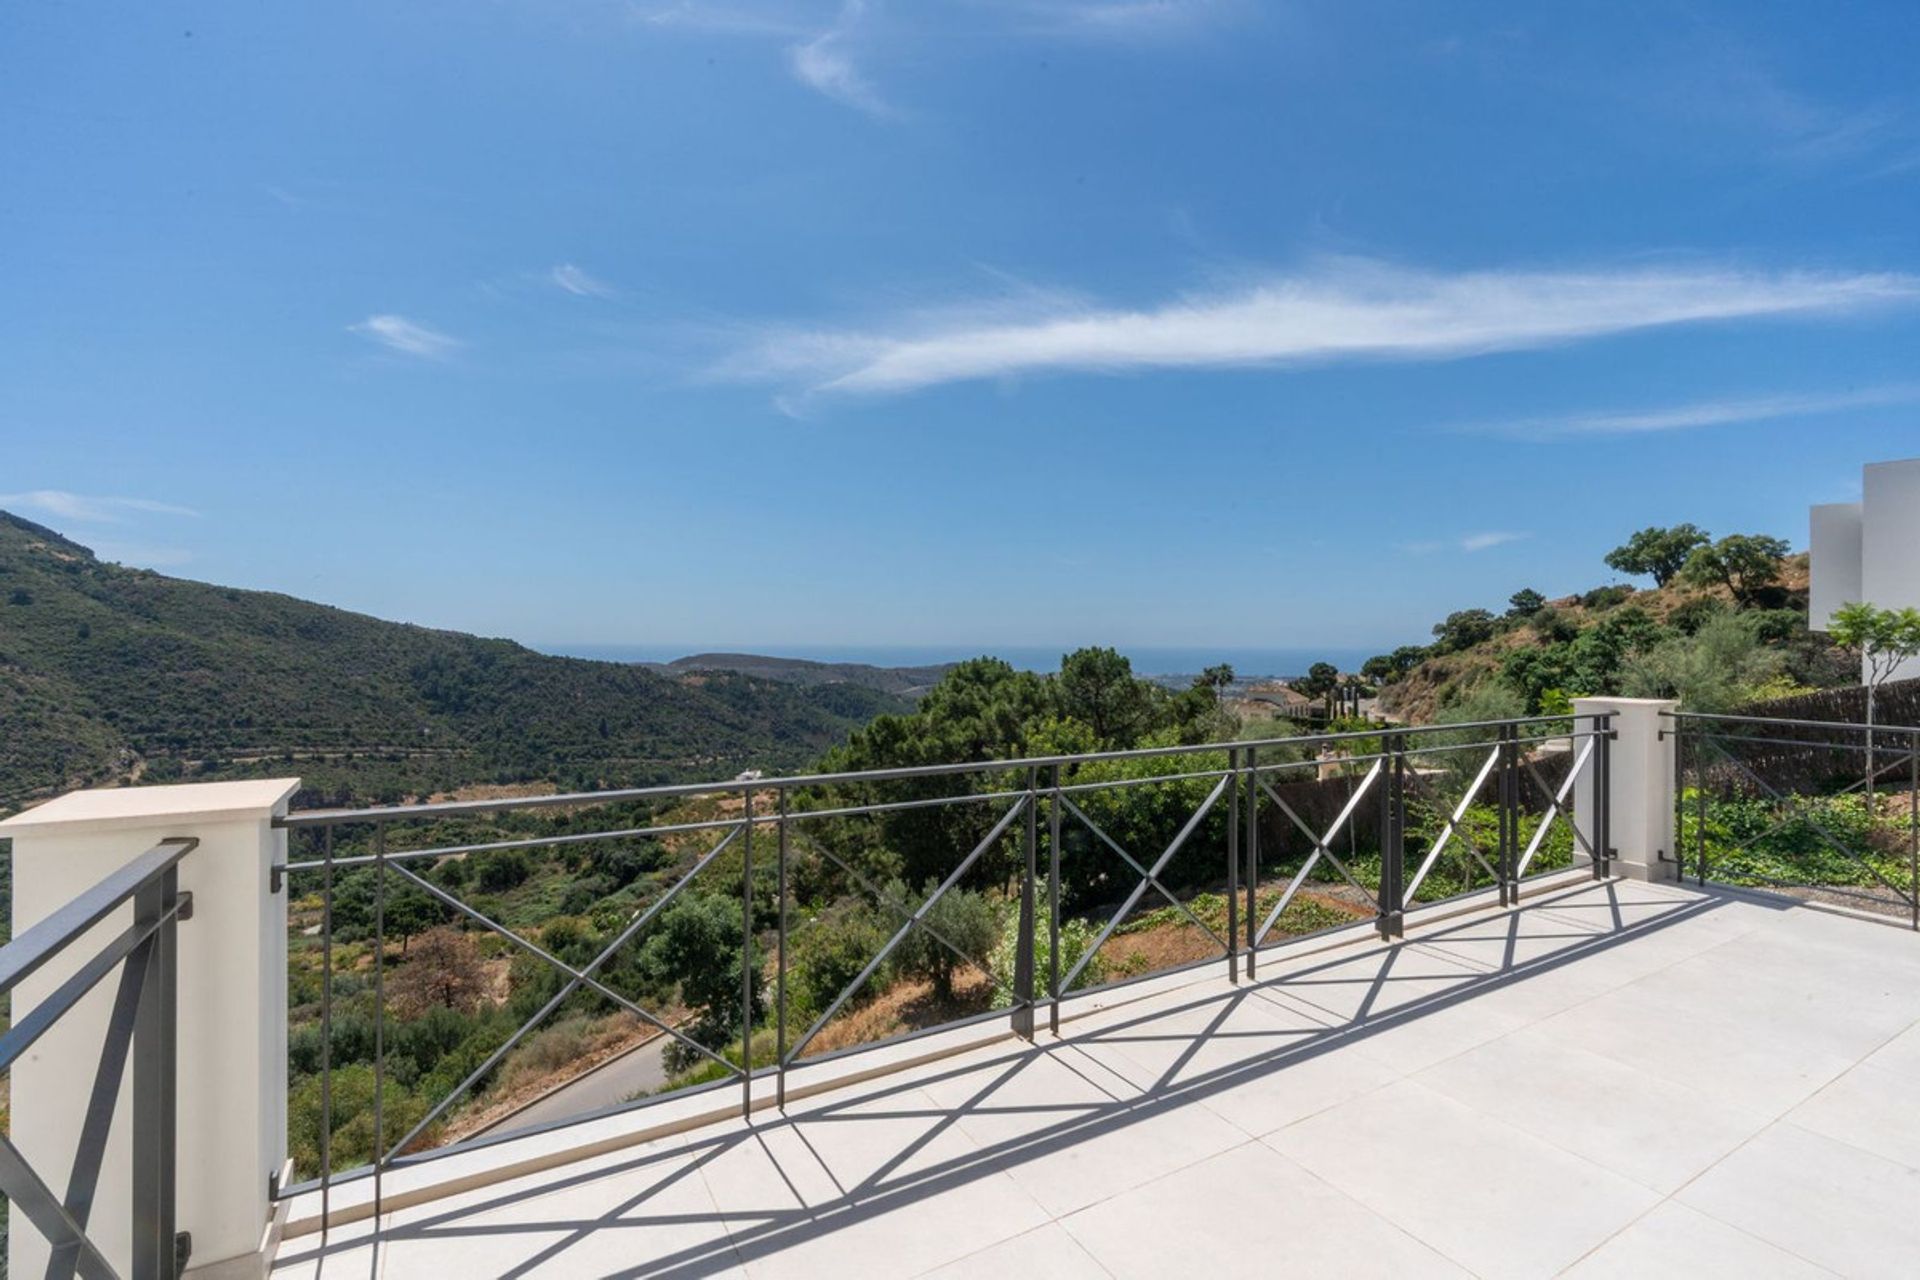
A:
(1869, 550)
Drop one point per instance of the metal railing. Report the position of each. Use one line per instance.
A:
(140, 1030)
(1217, 846)
(1828, 810)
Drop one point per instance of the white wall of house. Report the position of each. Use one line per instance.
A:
(1836, 550)
(1869, 550)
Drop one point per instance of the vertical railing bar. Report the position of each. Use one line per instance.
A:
(155, 1025)
(1679, 801)
(1913, 826)
(1252, 888)
(746, 954)
(1023, 974)
(780, 974)
(1603, 800)
(1233, 864)
(379, 1017)
(326, 1029)
(1700, 808)
(1053, 905)
(1392, 850)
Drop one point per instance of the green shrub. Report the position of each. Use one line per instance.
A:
(1076, 938)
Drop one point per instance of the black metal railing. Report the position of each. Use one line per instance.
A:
(1015, 885)
(1824, 810)
(140, 1031)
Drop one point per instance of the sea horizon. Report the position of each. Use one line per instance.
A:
(1148, 660)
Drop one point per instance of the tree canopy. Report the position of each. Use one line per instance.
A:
(1657, 553)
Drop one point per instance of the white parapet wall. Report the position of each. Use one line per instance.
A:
(1640, 764)
(232, 1044)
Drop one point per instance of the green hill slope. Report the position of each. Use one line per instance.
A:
(109, 673)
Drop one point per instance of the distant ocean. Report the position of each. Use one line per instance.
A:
(1147, 660)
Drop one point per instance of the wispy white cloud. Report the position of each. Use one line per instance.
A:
(88, 508)
(1484, 540)
(1702, 413)
(397, 333)
(577, 282)
(825, 64)
(1344, 309)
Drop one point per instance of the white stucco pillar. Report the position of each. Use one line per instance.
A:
(232, 1043)
(1640, 770)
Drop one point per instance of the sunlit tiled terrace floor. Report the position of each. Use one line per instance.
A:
(1616, 1079)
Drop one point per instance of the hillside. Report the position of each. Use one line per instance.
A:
(116, 674)
(907, 682)
(1690, 636)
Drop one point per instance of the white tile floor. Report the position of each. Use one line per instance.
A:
(1619, 1080)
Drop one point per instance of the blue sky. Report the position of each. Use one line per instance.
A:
(1011, 322)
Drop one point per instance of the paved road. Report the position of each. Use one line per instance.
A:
(605, 1086)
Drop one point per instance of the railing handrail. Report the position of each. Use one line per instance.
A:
(1858, 725)
(47, 938)
(446, 808)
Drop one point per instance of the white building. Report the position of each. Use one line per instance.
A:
(1869, 550)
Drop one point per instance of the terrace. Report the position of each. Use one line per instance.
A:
(1539, 1049)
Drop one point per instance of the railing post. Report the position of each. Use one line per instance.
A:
(1509, 829)
(1393, 854)
(1603, 796)
(1023, 944)
(1053, 905)
(746, 953)
(1233, 864)
(153, 1113)
(780, 970)
(1623, 802)
(207, 1130)
(1253, 857)
(1913, 825)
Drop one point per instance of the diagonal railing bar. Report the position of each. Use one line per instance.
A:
(560, 997)
(1305, 830)
(1453, 824)
(1138, 870)
(1556, 807)
(1323, 847)
(40, 942)
(873, 966)
(33, 1024)
(1139, 890)
(23, 1187)
(1910, 897)
(90, 1152)
(534, 949)
(1880, 773)
(884, 899)
(1320, 848)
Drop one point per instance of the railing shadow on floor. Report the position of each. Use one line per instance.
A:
(743, 1235)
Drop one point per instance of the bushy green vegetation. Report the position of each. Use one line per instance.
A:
(1756, 840)
(1724, 625)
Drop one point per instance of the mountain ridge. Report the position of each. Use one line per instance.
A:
(111, 674)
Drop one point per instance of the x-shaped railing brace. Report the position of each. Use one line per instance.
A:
(915, 920)
(883, 899)
(1452, 826)
(1144, 873)
(1833, 841)
(1320, 845)
(576, 979)
(1556, 808)
(1152, 876)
